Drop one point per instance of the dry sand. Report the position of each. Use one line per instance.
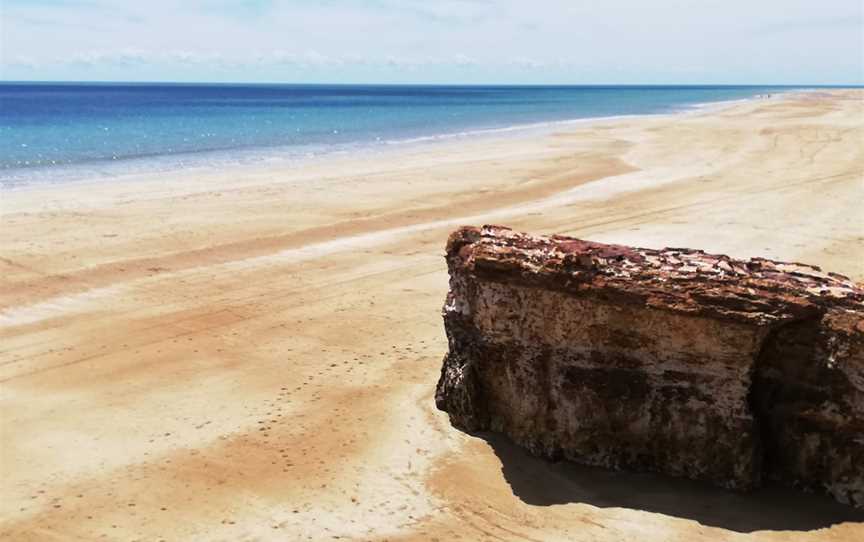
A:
(253, 355)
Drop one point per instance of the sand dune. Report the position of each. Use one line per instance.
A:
(252, 355)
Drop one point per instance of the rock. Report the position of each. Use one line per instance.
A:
(672, 361)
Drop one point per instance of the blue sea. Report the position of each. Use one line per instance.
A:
(58, 132)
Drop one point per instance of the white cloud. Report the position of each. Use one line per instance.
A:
(575, 41)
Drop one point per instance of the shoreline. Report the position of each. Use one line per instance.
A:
(263, 160)
(254, 356)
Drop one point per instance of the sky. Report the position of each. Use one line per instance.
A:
(435, 41)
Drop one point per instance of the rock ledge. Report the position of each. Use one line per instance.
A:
(673, 361)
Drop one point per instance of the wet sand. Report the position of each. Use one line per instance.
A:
(252, 355)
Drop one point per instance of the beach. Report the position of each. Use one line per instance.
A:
(253, 354)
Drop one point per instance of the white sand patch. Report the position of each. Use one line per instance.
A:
(56, 306)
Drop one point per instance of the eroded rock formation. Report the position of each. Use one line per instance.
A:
(672, 360)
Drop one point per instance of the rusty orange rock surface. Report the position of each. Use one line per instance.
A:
(674, 361)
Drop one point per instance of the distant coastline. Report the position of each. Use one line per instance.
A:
(59, 132)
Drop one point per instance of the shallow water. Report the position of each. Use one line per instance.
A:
(56, 132)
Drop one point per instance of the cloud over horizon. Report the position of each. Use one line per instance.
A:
(471, 41)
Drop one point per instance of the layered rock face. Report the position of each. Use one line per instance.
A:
(673, 361)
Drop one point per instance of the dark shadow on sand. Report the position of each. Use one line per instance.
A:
(543, 483)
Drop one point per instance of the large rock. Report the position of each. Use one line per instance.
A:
(671, 360)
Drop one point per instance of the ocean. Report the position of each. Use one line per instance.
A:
(57, 132)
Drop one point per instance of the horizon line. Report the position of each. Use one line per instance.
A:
(426, 84)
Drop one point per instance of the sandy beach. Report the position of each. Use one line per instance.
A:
(252, 355)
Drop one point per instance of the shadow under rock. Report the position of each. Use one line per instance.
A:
(540, 482)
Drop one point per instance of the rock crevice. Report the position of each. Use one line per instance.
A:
(673, 361)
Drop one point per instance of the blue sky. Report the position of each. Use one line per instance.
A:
(435, 41)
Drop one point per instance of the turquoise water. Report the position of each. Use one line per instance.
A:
(58, 132)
